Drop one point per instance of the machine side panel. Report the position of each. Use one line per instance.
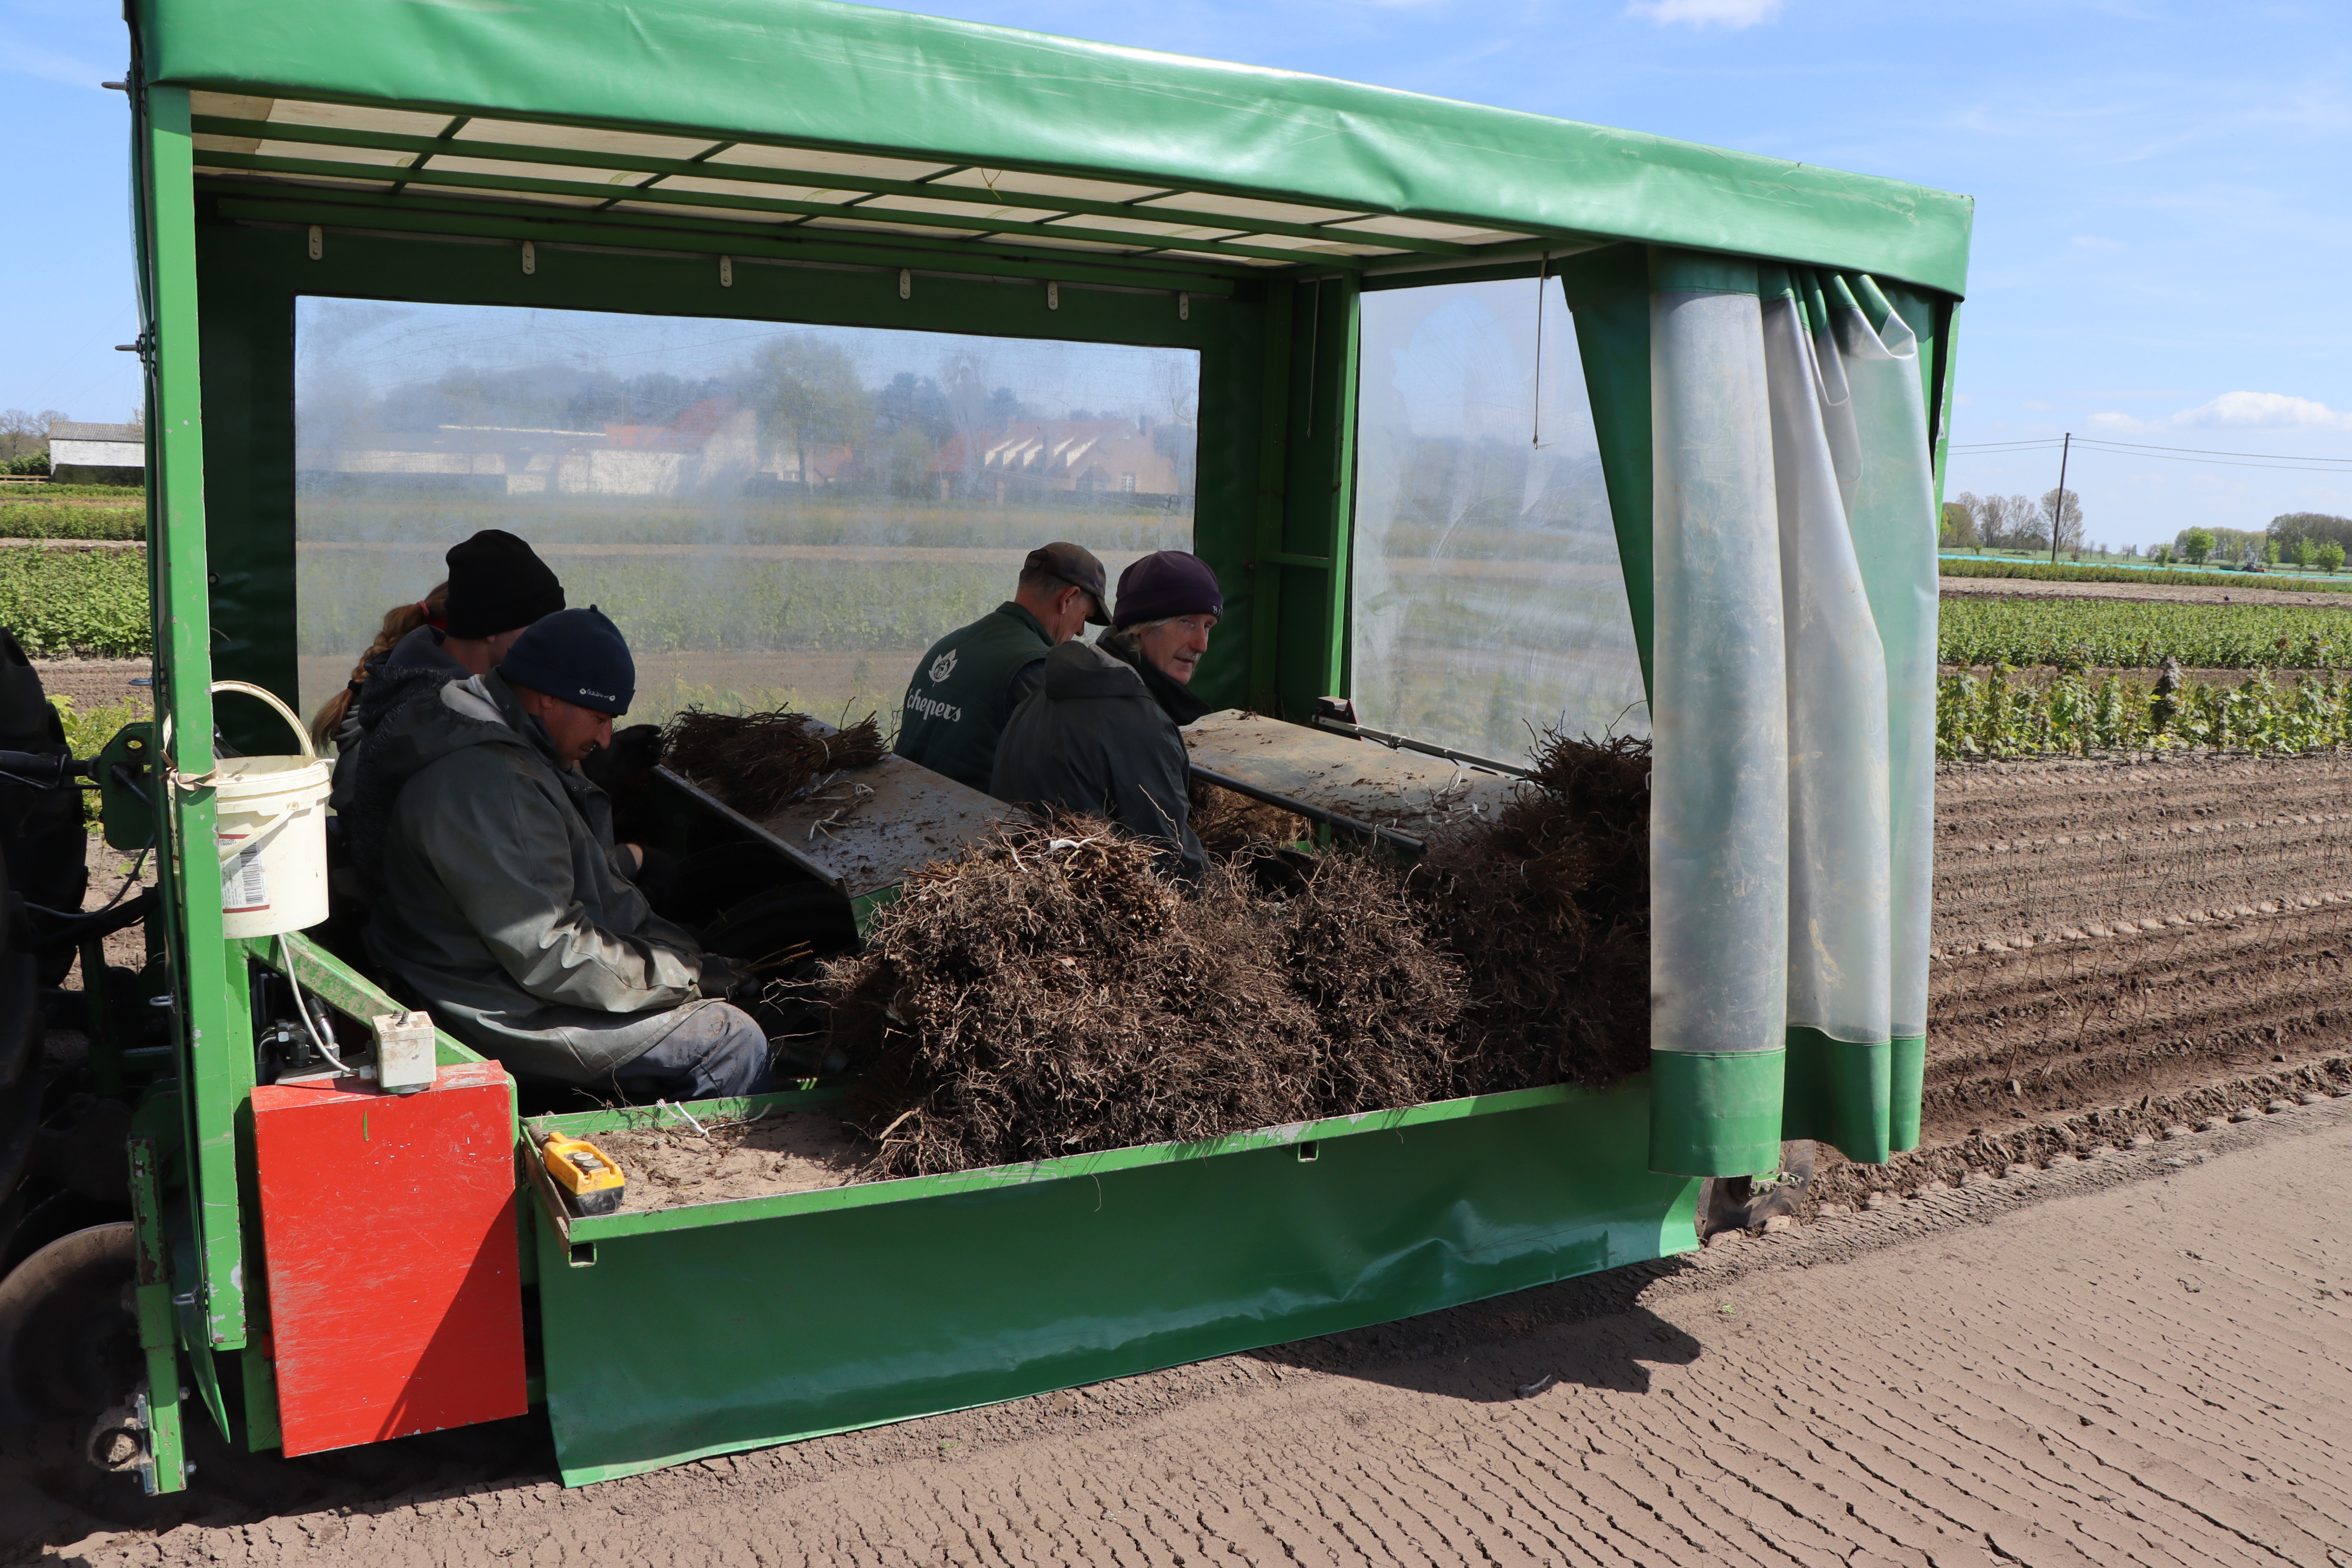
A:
(671, 1345)
(388, 1222)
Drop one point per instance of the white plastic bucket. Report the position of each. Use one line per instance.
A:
(270, 823)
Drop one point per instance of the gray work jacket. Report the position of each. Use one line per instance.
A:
(506, 907)
(1096, 738)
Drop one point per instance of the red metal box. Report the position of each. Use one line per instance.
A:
(388, 1222)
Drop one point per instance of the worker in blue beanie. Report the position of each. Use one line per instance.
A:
(1100, 734)
(506, 907)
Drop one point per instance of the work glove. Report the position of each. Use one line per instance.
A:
(722, 979)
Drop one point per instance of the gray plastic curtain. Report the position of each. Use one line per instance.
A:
(1793, 565)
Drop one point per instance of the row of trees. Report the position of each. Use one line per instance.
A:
(2320, 530)
(2310, 540)
(2013, 522)
(2200, 547)
(24, 440)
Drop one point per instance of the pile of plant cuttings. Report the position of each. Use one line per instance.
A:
(1049, 993)
(759, 763)
(1548, 908)
(1225, 820)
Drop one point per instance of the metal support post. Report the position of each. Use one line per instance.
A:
(2058, 506)
(97, 998)
(219, 1078)
(162, 1467)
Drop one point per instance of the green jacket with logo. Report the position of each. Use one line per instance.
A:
(962, 693)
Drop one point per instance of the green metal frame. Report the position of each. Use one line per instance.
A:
(702, 1331)
(675, 1335)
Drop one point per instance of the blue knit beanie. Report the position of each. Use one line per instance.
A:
(1164, 583)
(578, 655)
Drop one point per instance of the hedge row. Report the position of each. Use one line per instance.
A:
(2149, 577)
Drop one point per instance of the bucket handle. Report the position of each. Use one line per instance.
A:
(232, 848)
(301, 730)
(269, 825)
(205, 781)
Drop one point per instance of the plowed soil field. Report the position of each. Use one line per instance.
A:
(2126, 946)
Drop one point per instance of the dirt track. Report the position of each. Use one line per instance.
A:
(2137, 1359)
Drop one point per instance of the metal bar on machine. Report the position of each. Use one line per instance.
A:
(745, 824)
(1407, 743)
(220, 1063)
(1404, 841)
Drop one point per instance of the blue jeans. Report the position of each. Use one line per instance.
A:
(716, 1051)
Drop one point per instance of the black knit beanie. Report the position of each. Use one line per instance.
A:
(497, 583)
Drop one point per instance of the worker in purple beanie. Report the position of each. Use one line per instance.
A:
(1100, 734)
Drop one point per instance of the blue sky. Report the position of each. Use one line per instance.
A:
(2164, 199)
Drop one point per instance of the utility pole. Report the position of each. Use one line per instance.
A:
(2058, 509)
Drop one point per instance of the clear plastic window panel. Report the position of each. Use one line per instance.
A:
(1489, 605)
(774, 515)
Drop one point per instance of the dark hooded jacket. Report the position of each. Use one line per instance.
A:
(1100, 736)
(505, 905)
(416, 661)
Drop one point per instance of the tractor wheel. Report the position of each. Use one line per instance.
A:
(68, 1340)
(20, 1060)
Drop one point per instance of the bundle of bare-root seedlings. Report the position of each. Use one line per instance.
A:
(761, 763)
(1550, 909)
(1224, 822)
(1049, 992)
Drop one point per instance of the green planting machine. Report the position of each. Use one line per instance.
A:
(1765, 354)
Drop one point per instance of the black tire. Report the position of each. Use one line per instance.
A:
(68, 1340)
(47, 1218)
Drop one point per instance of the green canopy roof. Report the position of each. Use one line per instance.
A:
(1256, 167)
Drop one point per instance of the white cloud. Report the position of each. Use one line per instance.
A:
(2239, 410)
(1706, 12)
(2264, 410)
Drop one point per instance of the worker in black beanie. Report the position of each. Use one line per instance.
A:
(1101, 735)
(497, 587)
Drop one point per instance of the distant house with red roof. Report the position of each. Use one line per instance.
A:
(1085, 457)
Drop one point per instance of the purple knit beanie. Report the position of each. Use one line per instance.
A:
(1164, 583)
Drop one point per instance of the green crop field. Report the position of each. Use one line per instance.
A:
(57, 521)
(1992, 716)
(91, 602)
(2145, 577)
(2135, 634)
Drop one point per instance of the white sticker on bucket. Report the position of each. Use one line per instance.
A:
(245, 884)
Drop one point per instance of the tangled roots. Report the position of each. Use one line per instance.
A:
(759, 763)
(1049, 993)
